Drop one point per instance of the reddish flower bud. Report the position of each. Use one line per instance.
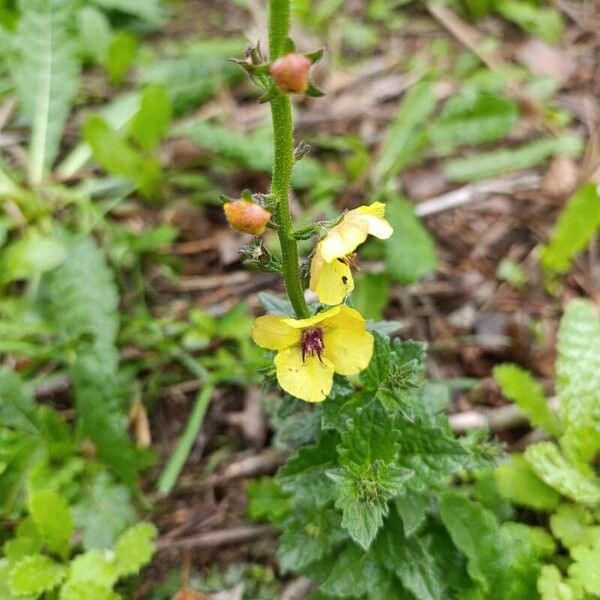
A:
(290, 73)
(246, 216)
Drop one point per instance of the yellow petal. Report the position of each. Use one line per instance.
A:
(332, 282)
(312, 321)
(274, 333)
(380, 228)
(349, 349)
(309, 380)
(344, 238)
(377, 209)
(346, 318)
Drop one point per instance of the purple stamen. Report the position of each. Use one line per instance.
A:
(312, 343)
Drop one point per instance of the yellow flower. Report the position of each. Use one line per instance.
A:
(311, 350)
(330, 273)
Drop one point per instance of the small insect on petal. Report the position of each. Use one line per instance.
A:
(246, 216)
(290, 73)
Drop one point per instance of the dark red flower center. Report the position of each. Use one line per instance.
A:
(312, 343)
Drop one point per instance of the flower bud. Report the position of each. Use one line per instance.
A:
(246, 216)
(290, 73)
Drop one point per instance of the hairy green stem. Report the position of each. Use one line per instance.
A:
(283, 161)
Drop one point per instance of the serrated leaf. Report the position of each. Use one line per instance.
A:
(104, 511)
(519, 386)
(82, 301)
(553, 468)
(410, 252)
(53, 520)
(46, 72)
(17, 406)
(503, 567)
(576, 226)
(96, 567)
(35, 574)
(578, 377)
(378, 369)
(405, 137)
(346, 579)
(518, 483)
(152, 121)
(267, 501)
(571, 525)
(552, 586)
(473, 119)
(498, 162)
(89, 590)
(134, 549)
(584, 569)
(412, 508)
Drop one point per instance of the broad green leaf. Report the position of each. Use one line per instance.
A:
(500, 560)
(34, 575)
(104, 511)
(371, 295)
(552, 467)
(546, 23)
(412, 509)
(473, 119)
(53, 519)
(405, 137)
(30, 256)
(552, 586)
(499, 162)
(520, 386)
(134, 549)
(147, 10)
(584, 569)
(94, 566)
(266, 500)
(410, 252)
(347, 577)
(46, 72)
(120, 54)
(378, 369)
(88, 590)
(518, 483)
(577, 225)
(152, 121)
(571, 524)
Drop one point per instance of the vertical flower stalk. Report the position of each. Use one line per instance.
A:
(283, 160)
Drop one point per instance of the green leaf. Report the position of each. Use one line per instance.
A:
(17, 406)
(347, 579)
(53, 519)
(35, 575)
(412, 508)
(576, 226)
(552, 586)
(147, 10)
(363, 493)
(371, 295)
(152, 121)
(120, 54)
(578, 379)
(104, 511)
(503, 567)
(30, 256)
(552, 467)
(266, 500)
(94, 566)
(584, 569)
(518, 483)
(545, 23)
(473, 119)
(378, 369)
(571, 524)
(88, 590)
(134, 549)
(519, 386)
(46, 72)
(405, 137)
(410, 252)
(499, 162)
(273, 305)
(82, 301)
(94, 32)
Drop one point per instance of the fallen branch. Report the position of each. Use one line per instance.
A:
(217, 538)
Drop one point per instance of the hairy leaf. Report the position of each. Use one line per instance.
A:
(134, 549)
(35, 574)
(46, 71)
